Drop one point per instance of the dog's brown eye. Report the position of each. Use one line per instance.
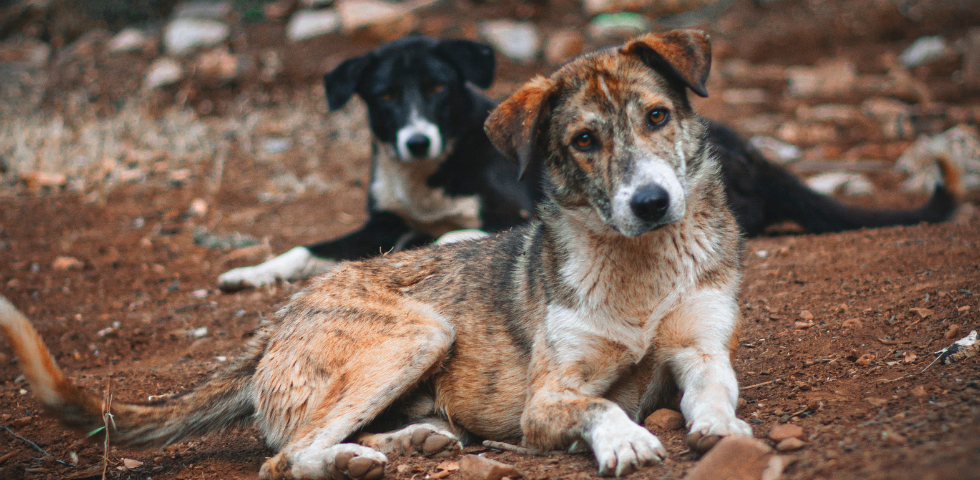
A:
(386, 96)
(657, 117)
(437, 88)
(583, 141)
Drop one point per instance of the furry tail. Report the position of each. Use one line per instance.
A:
(818, 213)
(221, 402)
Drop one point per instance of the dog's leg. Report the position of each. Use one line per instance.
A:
(365, 352)
(698, 340)
(380, 234)
(431, 438)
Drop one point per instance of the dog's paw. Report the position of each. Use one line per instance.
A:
(706, 432)
(422, 438)
(622, 447)
(345, 461)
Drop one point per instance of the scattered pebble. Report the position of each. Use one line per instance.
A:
(865, 359)
(855, 323)
(922, 312)
(919, 391)
(161, 73)
(803, 325)
(954, 332)
(738, 457)
(518, 41)
(805, 315)
(198, 208)
(184, 35)
(782, 431)
(307, 24)
(475, 467)
(67, 263)
(664, 419)
(790, 445)
(130, 464)
(876, 402)
(128, 40)
(923, 51)
(200, 293)
(200, 332)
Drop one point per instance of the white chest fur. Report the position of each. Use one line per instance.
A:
(401, 188)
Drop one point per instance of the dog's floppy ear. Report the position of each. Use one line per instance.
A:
(683, 54)
(514, 124)
(473, 59)
(342, 81)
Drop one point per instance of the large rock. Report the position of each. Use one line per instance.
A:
(307, 24)
(738, 457)
(518, 41)
(185, 35)
(923, 51)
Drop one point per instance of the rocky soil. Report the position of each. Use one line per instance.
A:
(122, 199)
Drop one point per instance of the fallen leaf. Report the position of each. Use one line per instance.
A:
(923, 312)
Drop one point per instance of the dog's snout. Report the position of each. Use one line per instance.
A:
(650, 203)
(418, 145)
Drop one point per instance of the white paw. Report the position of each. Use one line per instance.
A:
(245, 277)
(423, 438)
(296, 264)
(339, 462)
(622, 447)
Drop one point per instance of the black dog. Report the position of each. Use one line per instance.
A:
(433, 169)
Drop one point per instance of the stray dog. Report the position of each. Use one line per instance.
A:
(433, 168)
(566, 331)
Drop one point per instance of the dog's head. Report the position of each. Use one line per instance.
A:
(614, 129)
(415, 90)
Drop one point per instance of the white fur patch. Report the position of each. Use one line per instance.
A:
(418, 125)
(400, 188)
(648, 172)
(461, 236)
(296, 264)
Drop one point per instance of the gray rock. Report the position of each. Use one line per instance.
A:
(618, 26)
(848, 183)
(306, 24)
(184, 35)
(219, 11)
(923, 51)
(163, 72)
(128, 40)
(518, 41)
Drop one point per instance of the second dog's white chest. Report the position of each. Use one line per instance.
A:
(401, 188)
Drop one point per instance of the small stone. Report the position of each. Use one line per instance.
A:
(738, 457)
(865, 359)
(892, 438)
(806, 316)
(919, 391)
(518, 41)
(184, 35)
(128, 40)
(307, 24)
(200, 293)
(200, 332)
(922, 312)
(782, 431)
(664, 420)
(66, 263)
(198, 208)
(964, 308)
(954, 332)
(923, 51)
(790, 445)
(219, 66)
(402, 468)
(827, 79)
(163, 72)
(130, 464)
(20, 422)
(803, 325)
(876, 402)
(618, 26)
(910, 357)
(35, 180)
(853, 323)
(474, 467)
(563, 45)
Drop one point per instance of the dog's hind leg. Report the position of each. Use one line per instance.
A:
(431, 438)
(333, 368)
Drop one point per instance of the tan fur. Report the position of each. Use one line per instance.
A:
(564, 332)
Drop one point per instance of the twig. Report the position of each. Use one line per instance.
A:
(750, 387)
(8, 456)
(912, 374)
(515, 448)
(32, 444)
(106, 417)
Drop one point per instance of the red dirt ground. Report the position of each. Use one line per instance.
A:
(141, 266)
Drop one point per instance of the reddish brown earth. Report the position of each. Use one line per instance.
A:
(140, 267)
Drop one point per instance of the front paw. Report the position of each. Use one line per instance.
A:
(706, 432)
(622, 447)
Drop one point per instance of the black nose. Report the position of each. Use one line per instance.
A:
(418, 145)
(650, 203)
